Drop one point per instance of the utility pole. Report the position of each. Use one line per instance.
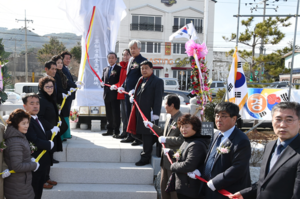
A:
(25, 28)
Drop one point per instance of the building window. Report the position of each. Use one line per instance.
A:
(150, 47)
(179, 22)
(148, 23)
(156, 72)
(178, 48)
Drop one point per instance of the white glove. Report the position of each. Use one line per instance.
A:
(78, 86)
(120, 90)
(154, 117)
(113, 87)
(55, 129)
(32, 159)
(69, 92)
(102, 84)
(59, 123)
(79, 82)
(37, 166)
(5, 173)
(131, 99)
(146, 123)
(52, 144)
(64, 95)
(162, 139)
(166, 150)
(194, 173)
(131, 93)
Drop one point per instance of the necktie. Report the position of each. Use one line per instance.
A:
(276, 155)
(169, 125)
(211, 158)
(37, 120)
(109, 72)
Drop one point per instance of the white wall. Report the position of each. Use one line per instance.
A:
(296, 61)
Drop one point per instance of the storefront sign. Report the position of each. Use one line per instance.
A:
(183, 62)
(166, 75)
(167, 48)
(179, 62)
(169, 2)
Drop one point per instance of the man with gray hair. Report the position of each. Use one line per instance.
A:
(133, 74)
(280, 166)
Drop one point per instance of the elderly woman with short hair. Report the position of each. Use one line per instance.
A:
(17, 156)
(190, 157)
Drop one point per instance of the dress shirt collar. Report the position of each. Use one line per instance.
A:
(112, 67)
(286, 142)
(226, 134)
(34, 117)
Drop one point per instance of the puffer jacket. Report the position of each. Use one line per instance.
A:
(193, 153)
(17, 156)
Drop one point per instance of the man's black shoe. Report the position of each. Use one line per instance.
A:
(142, 163)
(127, 140)
(108, 133)
(136, 143)
(55, 161)
(121, 136)
(115, 136)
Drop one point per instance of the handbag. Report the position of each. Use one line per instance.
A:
(171, 183)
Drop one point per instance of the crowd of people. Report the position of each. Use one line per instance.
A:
(29, 132)
(221, 159)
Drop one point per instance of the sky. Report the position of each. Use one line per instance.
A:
(48, 18)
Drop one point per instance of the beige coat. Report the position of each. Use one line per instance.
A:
(174, 139)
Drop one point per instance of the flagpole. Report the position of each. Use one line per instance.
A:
(238, 24)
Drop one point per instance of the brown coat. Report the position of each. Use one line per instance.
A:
(17, 156)
(174, 139)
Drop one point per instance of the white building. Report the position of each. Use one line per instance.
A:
(152, 22)
(296, 67)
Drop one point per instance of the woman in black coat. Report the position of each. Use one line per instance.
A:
(48, 114)
(190, 156)
(62, 86)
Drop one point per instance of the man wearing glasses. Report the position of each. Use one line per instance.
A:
(280, 168)
(227, 161)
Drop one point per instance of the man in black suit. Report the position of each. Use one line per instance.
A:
(228, 169)
(41, 139)
(148, 95)
(133, 75)
(111, 75)
(280, 168)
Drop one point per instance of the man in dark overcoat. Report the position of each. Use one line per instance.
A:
(148, 95)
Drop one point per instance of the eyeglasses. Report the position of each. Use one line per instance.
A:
(287, 121)
(222, 117)
(49, 87)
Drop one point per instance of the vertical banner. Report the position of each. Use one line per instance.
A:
(167, 48)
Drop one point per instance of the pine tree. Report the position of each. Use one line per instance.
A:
(54, 47)
(251, 37)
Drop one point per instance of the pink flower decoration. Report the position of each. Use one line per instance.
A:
(224, 150)
(177, 155)
(206, 88)
(173, 127)
(193, 92)
(201, 49)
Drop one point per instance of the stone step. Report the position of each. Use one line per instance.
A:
(97, 173)
(100, 191)
(99, 149)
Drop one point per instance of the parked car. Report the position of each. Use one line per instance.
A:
(170, 83)
(17, 96)
(182, 94)
(216, 86)
(279, 85)
(26, 87)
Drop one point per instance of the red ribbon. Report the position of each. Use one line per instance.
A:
(222, 191)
